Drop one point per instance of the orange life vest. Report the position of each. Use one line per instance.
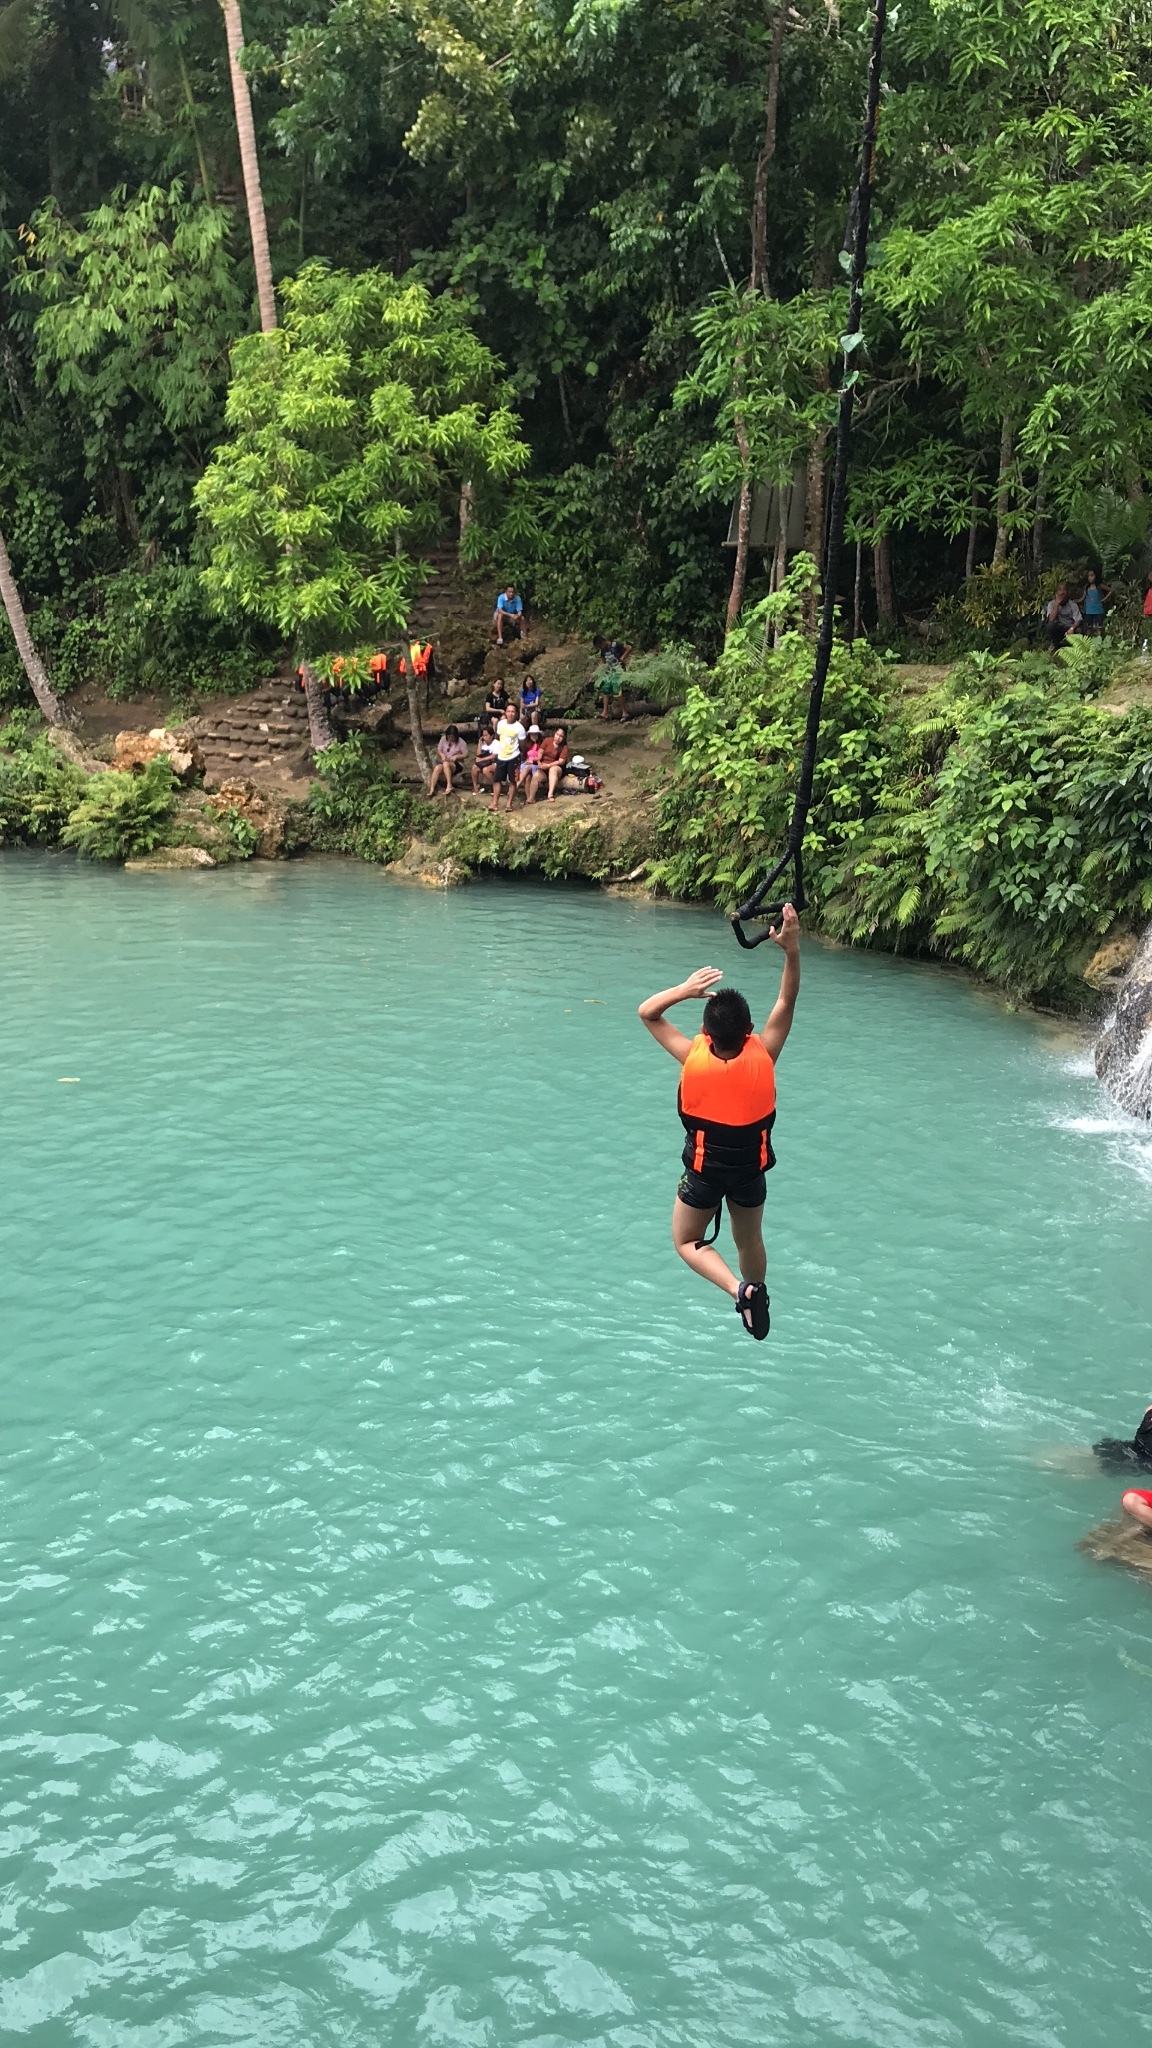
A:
(728, 1108)
(379, 664)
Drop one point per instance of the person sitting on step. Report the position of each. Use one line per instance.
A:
(453, 752)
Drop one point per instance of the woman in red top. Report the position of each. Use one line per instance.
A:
(727, 1104)
(552, 762)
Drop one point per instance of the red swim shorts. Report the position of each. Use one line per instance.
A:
(1140, 1494)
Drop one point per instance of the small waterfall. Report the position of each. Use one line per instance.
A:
(1124, 1047)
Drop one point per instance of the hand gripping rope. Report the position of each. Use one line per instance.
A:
(757, 905)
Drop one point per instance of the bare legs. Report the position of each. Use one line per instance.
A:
(1134, 1504)
(689, 1225)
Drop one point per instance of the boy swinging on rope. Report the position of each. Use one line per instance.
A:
(727, 1104)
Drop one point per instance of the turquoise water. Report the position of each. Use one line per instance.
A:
(426, 1618)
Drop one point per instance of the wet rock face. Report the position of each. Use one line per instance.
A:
(1124, 1047)
(134, 750)
(265, 812)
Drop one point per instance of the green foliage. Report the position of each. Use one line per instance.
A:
(137, 310)
(572, 846)
(724, 813)
(1114, 527)
(996, 604)
(666, 677)
(38, 788)
(999, 820)
(480, 839)
(764, 368)
(243, 835)
(122, 816)
(348, 423)
(138, 632)
(358, 806)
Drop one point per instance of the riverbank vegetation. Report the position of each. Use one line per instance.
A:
(564, 286)
(635, 215)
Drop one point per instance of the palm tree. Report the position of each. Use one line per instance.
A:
(34, 669)
(319, 730)
(250, 164)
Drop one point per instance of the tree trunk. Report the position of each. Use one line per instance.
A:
(1038, 527)
(45, 695)
(250, 165)
(882, 571)
(467, 507)
(423, 759)
(740, 566)
(858, 595)
(319, 731)
(190, 103)
(815, 472)
(759, 279)
(973, 536)
(814, 515)
(1003, 494)
(780, 563)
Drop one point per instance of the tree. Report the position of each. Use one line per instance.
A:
(759, 367)
(34, 668)
(353, 427)
(1114, 527)
(137, 309)
(250, 165)
(1013, 267)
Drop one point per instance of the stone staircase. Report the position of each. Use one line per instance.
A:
(445, 591)
(263, 736)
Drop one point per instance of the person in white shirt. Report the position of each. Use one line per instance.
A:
(484, 766)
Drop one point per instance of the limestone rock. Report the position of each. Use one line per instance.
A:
(429, 867)
(500, 661)
(263, 811)
(74, 750)
(1111, 963)
(134, 750)
(171, 857)
(1124, 1047)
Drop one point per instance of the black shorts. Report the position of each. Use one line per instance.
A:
(697, 1193)
(506, 771)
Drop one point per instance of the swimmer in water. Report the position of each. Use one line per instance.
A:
(1137, 1503)
(727, 1104)
(1136, 1450)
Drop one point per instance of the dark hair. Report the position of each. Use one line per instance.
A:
(451, 733)
(727, 1020)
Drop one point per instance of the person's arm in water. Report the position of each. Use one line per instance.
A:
(652, 1016)
(780, 1021)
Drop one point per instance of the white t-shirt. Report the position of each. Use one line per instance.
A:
(509, 734)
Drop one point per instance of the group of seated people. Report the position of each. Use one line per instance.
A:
(514, 752)
(1062, 614)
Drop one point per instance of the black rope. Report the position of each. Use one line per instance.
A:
(858, 220)
(715, 1219)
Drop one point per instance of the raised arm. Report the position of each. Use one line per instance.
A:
(652, 1016)
(780, 1020)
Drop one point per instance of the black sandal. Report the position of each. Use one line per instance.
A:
(752, 1301)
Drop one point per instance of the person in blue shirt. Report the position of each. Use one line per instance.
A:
(509, 613)
(1095, 604)
(530, 700)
